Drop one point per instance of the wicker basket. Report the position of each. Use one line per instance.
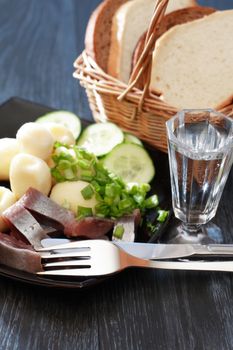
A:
(140, 112)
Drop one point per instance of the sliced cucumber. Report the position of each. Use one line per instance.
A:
(131, 162)
(101, 138)
(130, 138)
(68, 119)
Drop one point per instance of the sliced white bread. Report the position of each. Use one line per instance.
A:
(130, 21)
(172, 19)
(193, 63)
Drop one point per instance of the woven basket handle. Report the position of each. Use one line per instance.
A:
(144, 63)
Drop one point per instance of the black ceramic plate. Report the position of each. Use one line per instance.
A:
(16, 112)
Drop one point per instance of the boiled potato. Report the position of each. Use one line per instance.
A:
(60, 133)
(35, 139)
(68, 194)
(7, 198)
(8, 149)
(27, 171)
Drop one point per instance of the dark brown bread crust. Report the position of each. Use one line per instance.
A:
(98, 32)
(170, 20)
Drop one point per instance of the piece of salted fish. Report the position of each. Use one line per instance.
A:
(19, 218)
(18, 255)
(130, 224)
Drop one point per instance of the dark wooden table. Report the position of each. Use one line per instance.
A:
(39, 40)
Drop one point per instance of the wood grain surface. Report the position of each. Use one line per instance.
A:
(138, 309)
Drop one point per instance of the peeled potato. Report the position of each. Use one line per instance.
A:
(7, 198)
(35, 139)
(27, 171)
(60, 133)
(8, 149)
(68, 194)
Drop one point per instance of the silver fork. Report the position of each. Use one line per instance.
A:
(100, 258)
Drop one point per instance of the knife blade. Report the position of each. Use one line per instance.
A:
(157, 251)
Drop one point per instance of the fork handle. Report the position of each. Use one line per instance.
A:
(226, 266)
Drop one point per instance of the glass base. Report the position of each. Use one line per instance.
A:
(206, 234)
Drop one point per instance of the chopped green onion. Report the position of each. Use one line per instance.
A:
(117, 199)
(144, 187)
(162, 215)
(57, 176)
(87, 192)
(69, 174)
(112, 190)
(84, 164)
(139, 198)
(86, 175)
(96, 186)
(125, 204)
(84, 212)
(102, 209)
(64, 164)
(108, 200)
(98, 197)
(152, 202)
(114, 211)
(118, 231)
(152, 228)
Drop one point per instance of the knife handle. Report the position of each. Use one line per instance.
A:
(226, 266)
(217, 249)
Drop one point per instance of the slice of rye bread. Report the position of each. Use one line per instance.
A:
(98, 32)
(193, 63)
(170, 20)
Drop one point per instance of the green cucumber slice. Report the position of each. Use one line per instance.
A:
(130, 138)
(131, 162)
(70, 120)
(100, 138)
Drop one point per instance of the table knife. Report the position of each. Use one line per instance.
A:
(157, 251)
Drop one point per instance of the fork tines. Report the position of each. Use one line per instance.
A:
(69, 256)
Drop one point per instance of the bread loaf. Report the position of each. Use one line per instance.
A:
(193, 63)
(130, 21)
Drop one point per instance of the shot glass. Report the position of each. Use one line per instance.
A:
(200, 150)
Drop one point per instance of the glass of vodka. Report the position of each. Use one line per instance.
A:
(200, 150)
